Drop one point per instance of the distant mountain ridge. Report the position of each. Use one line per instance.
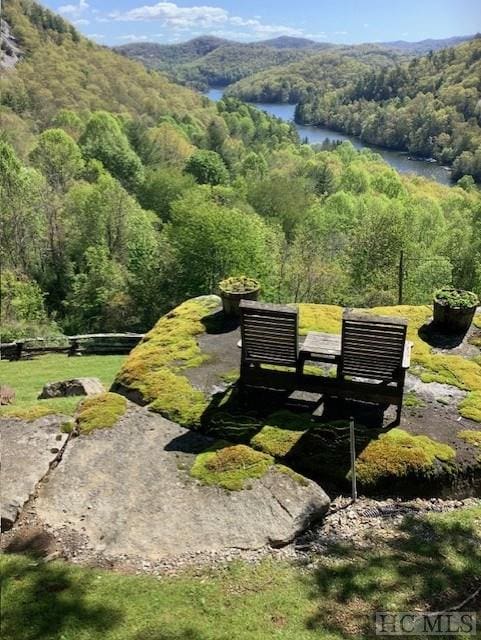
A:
(429, 44)
(209, 61)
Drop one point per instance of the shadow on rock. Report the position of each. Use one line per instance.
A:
(218, 322)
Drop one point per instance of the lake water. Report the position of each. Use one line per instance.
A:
(317, 135)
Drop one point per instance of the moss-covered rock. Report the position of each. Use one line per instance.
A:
(281, 432)
(230, 467)
(473, 438)
(100, 412)
(398, 455)
(325, 318)
(153, 369)
(470, 407)
(30, 413)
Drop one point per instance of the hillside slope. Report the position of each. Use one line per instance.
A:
(62, 69)
(321, 72)
(429, 106)
(208, 61)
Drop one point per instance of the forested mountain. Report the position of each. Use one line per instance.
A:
(320, 72)
(429, 106)
(207, 61)
(122, 194)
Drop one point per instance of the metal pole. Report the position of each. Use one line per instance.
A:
(353, 459)
(400, 278)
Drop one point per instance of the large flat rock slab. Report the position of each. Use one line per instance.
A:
(127, 492)
(28, 449)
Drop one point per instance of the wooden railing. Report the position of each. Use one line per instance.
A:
(89, 343)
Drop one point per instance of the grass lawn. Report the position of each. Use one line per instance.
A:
(27, 377)
(433, 563)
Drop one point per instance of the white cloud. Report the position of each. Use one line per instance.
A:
(131, 37)
(74, 9)
(95, 36)
(340, 33)
(170, 15)
(80, 22)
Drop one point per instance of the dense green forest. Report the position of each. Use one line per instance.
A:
(323, 72)
(429, 106)
(122, 194)
(209, 61)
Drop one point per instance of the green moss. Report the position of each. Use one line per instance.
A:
(281, 432)
(29, 413)
(471, 436)
(477, 320)
(398, 454)
(413, 401)
(67, 427)
(100, 412)
(154, 367)
(325, 318)
(276, 442)
(230, 467)
(470, 407)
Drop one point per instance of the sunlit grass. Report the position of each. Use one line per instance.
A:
(27, 377)
(433, 563)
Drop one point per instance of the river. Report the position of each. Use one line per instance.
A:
(316, 135)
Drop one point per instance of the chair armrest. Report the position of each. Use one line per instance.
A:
(407, 355)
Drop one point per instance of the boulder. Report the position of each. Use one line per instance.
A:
(28, 449)
(128, 492)
(74, 387)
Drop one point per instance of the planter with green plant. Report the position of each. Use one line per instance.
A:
(454, 309)
(235, 289)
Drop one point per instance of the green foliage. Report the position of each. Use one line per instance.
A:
(211, 241)
(456, 298)
(312, 225)
(207, 167)
(104, 140)
(238, 284)
(58, 157)
(100, 412)
(23, 313)
(428, 106)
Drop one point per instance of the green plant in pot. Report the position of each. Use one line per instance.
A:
(235, 289)
(454, 309)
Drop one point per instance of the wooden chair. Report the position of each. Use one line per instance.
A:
(375, 353)
(269, 336)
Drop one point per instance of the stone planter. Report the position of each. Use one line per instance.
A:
(453, 319)
(231, 298)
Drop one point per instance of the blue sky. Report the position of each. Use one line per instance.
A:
(115, 22)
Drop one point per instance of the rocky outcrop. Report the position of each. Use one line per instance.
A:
(128, 492)
(28, 450)
(74, 387)
(10, 52)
